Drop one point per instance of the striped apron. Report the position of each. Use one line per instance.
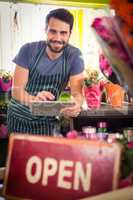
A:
(19, 117)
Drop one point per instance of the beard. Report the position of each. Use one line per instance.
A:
(58, 49)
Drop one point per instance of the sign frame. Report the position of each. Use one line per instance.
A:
(73, 143)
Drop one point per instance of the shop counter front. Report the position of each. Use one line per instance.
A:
(50, 168)
(116, 117)
(108, 110)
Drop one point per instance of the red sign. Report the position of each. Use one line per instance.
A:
(46, 168)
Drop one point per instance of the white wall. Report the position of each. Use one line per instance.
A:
(91, 46)
(5, 36)
(30, 27)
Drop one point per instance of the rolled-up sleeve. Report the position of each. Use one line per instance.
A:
(77, 63)
(23, 57)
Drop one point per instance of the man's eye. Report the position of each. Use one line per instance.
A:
(52, 31)
(63, 33)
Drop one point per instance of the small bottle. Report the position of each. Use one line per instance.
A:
(102, 130)
(56, 131)
(89, 132)
(102, 127)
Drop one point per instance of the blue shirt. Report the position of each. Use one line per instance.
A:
(46, 66)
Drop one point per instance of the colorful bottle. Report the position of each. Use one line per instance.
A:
(89, 132)
(102, 130)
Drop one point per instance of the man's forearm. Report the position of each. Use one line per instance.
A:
(22, 96)
(78, 98)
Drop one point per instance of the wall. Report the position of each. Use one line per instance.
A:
(30, 27)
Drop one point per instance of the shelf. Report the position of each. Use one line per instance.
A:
(108, 111)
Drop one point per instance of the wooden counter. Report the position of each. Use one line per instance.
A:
(116, 118)
(109, 111)
(122, 194)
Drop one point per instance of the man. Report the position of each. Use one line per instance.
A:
(43, 70)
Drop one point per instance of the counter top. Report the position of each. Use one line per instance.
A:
(107, 110)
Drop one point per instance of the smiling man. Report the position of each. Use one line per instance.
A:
(43, 70)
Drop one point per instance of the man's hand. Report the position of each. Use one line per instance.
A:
(44, 96)
(72, 111)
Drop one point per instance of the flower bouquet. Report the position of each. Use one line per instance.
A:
(117, 50)
(5, 81)
(114, 34)
(5, 88)
(93, 87)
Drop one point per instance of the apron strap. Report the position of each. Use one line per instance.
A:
(36, 59)
(65, 71)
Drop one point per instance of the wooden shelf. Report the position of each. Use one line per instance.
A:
(116, 118)
(109, 111)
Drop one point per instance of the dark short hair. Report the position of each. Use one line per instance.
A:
(61, 14)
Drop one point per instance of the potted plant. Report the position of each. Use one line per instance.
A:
(5, 81)
(93, 88)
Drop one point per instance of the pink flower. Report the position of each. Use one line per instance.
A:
(5, 85)
(126, 182)
(104, 65)
(104, 27)
(93, 96)
(72, 134)
(130, 145)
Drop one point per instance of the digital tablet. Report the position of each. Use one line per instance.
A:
(49, 108)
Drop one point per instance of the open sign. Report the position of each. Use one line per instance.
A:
(40, 167)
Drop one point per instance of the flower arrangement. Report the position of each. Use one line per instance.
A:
(105, 65)
(92, 77)
(5, 81)
(105, 29)
(5, 88)
(114, 33)
(93, 88)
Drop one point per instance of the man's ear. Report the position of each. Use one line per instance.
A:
(71, 31)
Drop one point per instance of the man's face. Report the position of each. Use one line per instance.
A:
(58, 34)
